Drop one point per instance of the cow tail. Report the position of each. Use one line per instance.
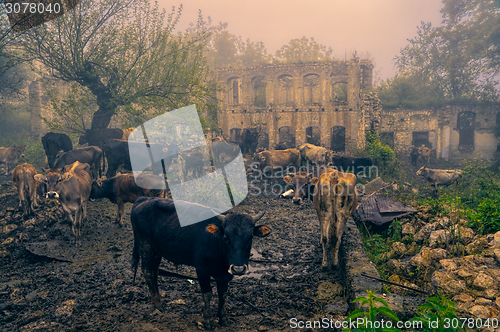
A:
(135, 258)
(101, 169)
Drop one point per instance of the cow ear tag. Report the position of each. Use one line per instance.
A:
(261, 231)
(212, 229)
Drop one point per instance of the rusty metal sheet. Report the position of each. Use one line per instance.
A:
(368, 210)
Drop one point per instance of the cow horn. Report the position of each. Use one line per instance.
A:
(219, 216)
(258, 216)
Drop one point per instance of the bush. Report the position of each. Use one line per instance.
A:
(486, 218)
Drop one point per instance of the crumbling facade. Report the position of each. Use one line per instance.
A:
(328, 104)
(453, 132)
(316, 102)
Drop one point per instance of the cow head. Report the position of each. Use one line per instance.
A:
(236, 232)
(302, 183)
(96, 191)
(83, 138)
(259, 157)
(422, 171)
(53, 181)
(19, 151)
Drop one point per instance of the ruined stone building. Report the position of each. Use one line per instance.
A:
(329, 104)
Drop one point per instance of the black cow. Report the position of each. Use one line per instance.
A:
(90, 155)
(223, 150)
(350, 164)
(53, 143)
(98, 136)
(117, 153)
(218, 247)
(195, 162)
(284, 146)
(414, 155)
(249, 140)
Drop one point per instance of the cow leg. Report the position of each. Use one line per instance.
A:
(78, 221)
(121, 208)
(206, 290)
(150, 264)
(338, 230)
(325, 243)
(222, 286)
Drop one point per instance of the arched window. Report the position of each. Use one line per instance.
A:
(339, 92)
(313, 135)
(259, 91)
(337, 142)
(235, 135)
(287, 137)
(234, 90)
(466, 124)
(285, 93)
(312, 93)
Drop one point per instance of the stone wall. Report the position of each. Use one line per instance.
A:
(445, 133)
(321, 95)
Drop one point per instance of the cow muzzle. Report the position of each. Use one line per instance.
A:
(238, 270)
(297, 200)
(52, 194)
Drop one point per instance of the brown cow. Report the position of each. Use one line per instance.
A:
(335, 199)
(9, 156)
(317, 155)
(23, 177)
(424, 153)
(123, 188)
(266, 160)
(127, 132)
(303, 183)
(72, 189)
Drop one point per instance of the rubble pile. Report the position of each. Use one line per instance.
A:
(439, 254)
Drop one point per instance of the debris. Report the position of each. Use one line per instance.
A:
(380, 210)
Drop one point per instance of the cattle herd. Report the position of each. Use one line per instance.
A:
(218, 247)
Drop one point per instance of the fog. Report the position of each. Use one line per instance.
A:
(378, 28)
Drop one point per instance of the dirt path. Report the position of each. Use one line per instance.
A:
(92, 289)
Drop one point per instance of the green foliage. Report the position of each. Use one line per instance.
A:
(303, 50)
(438, 309)
(477, 183)
(127, 54)
(455, 62)
(371, 314)
(445, 204)
(486, 218)
(382, 155)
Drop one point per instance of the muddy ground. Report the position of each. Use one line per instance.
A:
(87, 286)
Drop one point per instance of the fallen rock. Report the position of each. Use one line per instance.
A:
(463, 297)
(445, 282)
(407, 229)
(438, 254)
(448, 264)
(424, 232)
(491, 294)
(483, 301)
(483, 281)
(439, 237)
(398, 249)
(495, 241)
(496, 252)
(443, 223)
(423, 259)
(476, 246)
(480, 311)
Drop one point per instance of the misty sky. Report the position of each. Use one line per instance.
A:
(379, 27)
